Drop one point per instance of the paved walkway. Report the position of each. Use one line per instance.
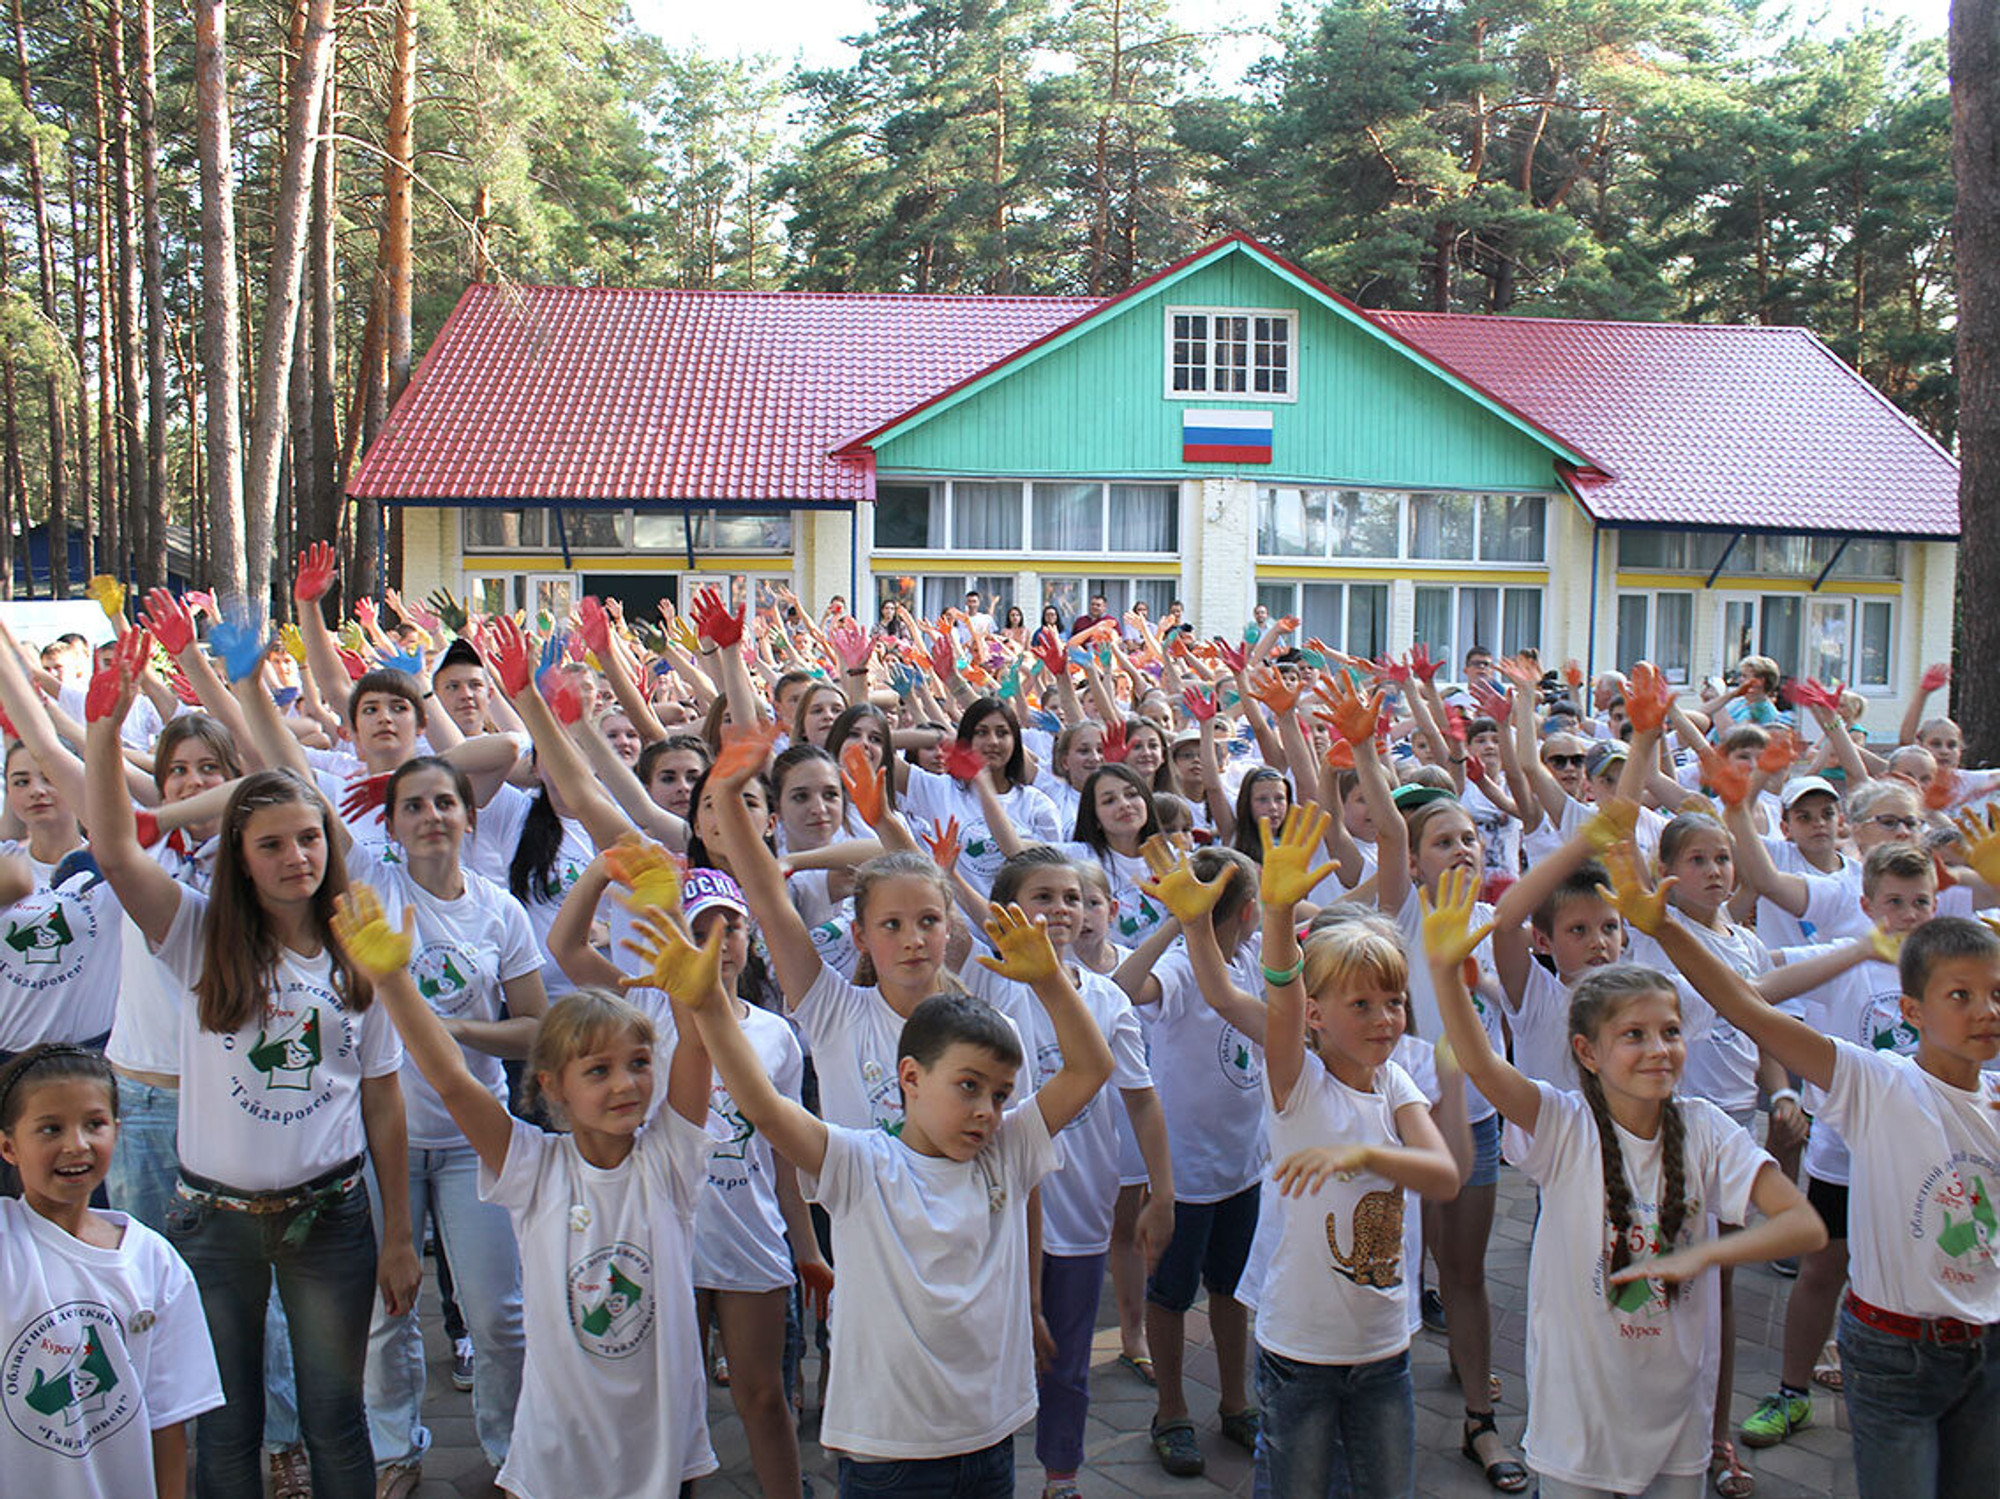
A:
(1119, 1462)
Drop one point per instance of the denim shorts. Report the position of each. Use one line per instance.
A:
(985, 1474)
(1210, 1245)
(1485, 1152)
(1829, 1200)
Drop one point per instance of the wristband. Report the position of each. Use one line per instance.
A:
(1784, 1095)
(1277, 978)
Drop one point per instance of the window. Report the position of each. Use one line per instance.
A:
(1143, 517)
(502, 530)
(1389, 525)
(986, 516)
(1679, 551)
(1349, 617)
(1073, 595)
(989, 515)
(909, 516)
(1657, 627)
(1230, 353)
(1873, 643)
(1829, 636)
(1791, 555)
(749, 529)
(929, 594)
(1069, 518)
(1452, 620)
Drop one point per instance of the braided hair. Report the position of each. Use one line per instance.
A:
(1594, 1003)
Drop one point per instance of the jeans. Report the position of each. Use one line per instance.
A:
(144, 1168)
(1071, 1285)
(1336, 1429)
(986, 1474)
(1925, 1417)
(327, 1284)
(1666, 1486)
(478, 1239)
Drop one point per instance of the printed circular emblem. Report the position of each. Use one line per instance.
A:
(611, 1300)
(1954, 1210)
(443, 973)
(59, 1383)
(1238, 1059)
(43, 939)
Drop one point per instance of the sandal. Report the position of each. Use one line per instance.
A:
(1175, 1446)
(1504, 1473)
(1726, 1471)
(1826, 1373)
(1241, 1426)
(1139, 1364)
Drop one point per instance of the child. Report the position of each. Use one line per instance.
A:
(1349, 1130)
(106, 1353)
(612, 1399)
(932, 1344)
(1621, 1347)
(1920, 1331)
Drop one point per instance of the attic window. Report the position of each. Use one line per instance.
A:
(1231, 353)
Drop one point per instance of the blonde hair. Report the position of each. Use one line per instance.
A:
(1353, 955)
(581, 1022)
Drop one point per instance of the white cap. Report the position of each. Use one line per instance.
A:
(1806, 786)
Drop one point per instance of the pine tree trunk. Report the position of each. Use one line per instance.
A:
(152, 569)
(292, 207)
(130, 294)
(12, 481)
(322, 508)
(222, 374)
(79, 256)
(109, 498)
(45, 258)
(1975, 101)
(399, 143)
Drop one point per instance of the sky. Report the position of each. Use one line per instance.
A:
(811, 30)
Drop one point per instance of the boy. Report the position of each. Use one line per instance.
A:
(933, 1355)
(1920, 1331)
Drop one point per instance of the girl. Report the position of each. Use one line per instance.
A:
(1016, 626)
(616, 727)
(612, 1400)
(668, 769)
(987, 731)
(1145, 748)
(749, 1201)
(1078, 1200)
(107, 1355)
(1265, 796)
(1350, 1131)
(289, 1074)
(1621, 1355)
(1077, 753)
(866, 725)
(819, 709)
(1115, 817)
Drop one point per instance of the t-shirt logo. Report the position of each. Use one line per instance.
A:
(1887, 1029)
(1238, 1059)
(61, 1389)
(733, 1143)
(1374, 1255)
(611, 1300)
(1966, 1220)
(1142, 920)
(443, 976)
(288, 1057)
(42, 940)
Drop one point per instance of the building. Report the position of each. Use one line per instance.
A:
(1226, 433)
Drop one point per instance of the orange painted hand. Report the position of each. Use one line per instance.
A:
(744, 752)
(1175, 885)
(1642, 906)
(1648, 699)
(1727, 779)
(691, 975)
(944, 845)
(1289, 873)
(1778, 755)
(1270, 688)
(1449, 936)
(1354, 717)
(867, 787)
(1025, 953)
(364, 933)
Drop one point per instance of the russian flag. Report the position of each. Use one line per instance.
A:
(1226, 436)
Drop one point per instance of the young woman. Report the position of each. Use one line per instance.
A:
(988, 744)
(1114, 819)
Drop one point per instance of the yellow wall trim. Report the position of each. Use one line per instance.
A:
(624, 562)
(1304, 570)
(1756, 583)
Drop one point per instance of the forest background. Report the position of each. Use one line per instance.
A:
(204, 316)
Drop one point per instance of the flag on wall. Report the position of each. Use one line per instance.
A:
(1225, 436)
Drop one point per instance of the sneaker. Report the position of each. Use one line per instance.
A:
(398, 1480)
(1432, 1308)
(1061, 1488)
(461, 1364)
(1777, 1417)
(291, 1474)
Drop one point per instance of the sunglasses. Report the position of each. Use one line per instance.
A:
(1897, 824)
(1562, 762)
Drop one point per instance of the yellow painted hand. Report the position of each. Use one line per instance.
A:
(683, 635)
(364, 933)
(1175, 885)
(1449, 937)
(1289, 874)
(295, 643)
(108, 593)
(648, 872)
(1613, 822)
(1888, 946)
(1026, 954)
(1645, 908)
(1981, 831)
(691, 975)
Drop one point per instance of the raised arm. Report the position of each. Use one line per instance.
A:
(793, 958)
(1447, 944)
(1934, 678)
(1287, 878)
(569, 933)
(150, 896)
(1026, 957)
(560, 762)
(315, 573)
(1788, 892)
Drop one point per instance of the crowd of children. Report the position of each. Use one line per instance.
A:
(980, 963)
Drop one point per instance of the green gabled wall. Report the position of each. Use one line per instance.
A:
(1367, 413)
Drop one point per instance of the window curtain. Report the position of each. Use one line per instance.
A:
(1069, 518)
(988, 516)
(1144, 518)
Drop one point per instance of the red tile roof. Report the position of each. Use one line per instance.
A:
(1705, 424)
(589, 393)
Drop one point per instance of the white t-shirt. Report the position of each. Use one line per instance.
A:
(1863, 1007)
(337, 773)
(1721, 1060)
(1541, 1029)
(1779, 927)
(60, 956)
(489, 849)
(1064, 797)
(739, 1232)
(1425, 1018)
(1658, 1356)
(829, 922)
(278, 1102)
(146, 1035)
(1922, 1233)
(466, 949)
(99, 1348)
(1077, 1201)
(1137, 915)
(1210, 1078)
(613, 1399)
(1334, 1293)
(933, 1355)
(1499, 833)
(937, 799)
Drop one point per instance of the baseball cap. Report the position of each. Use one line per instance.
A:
(705, 889)
(459, 653)
(1805, 786)
(1417, 794)
(1604, 753)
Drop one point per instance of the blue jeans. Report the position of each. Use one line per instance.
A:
(144, 1168)
(327, 1285)
(478, 1239)
(986, 1474)
(1925, 1416)
(1336, 1429)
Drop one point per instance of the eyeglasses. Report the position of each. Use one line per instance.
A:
(1562, 762)
(1897, 824)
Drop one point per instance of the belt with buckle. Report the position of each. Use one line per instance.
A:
(1919, 1329)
